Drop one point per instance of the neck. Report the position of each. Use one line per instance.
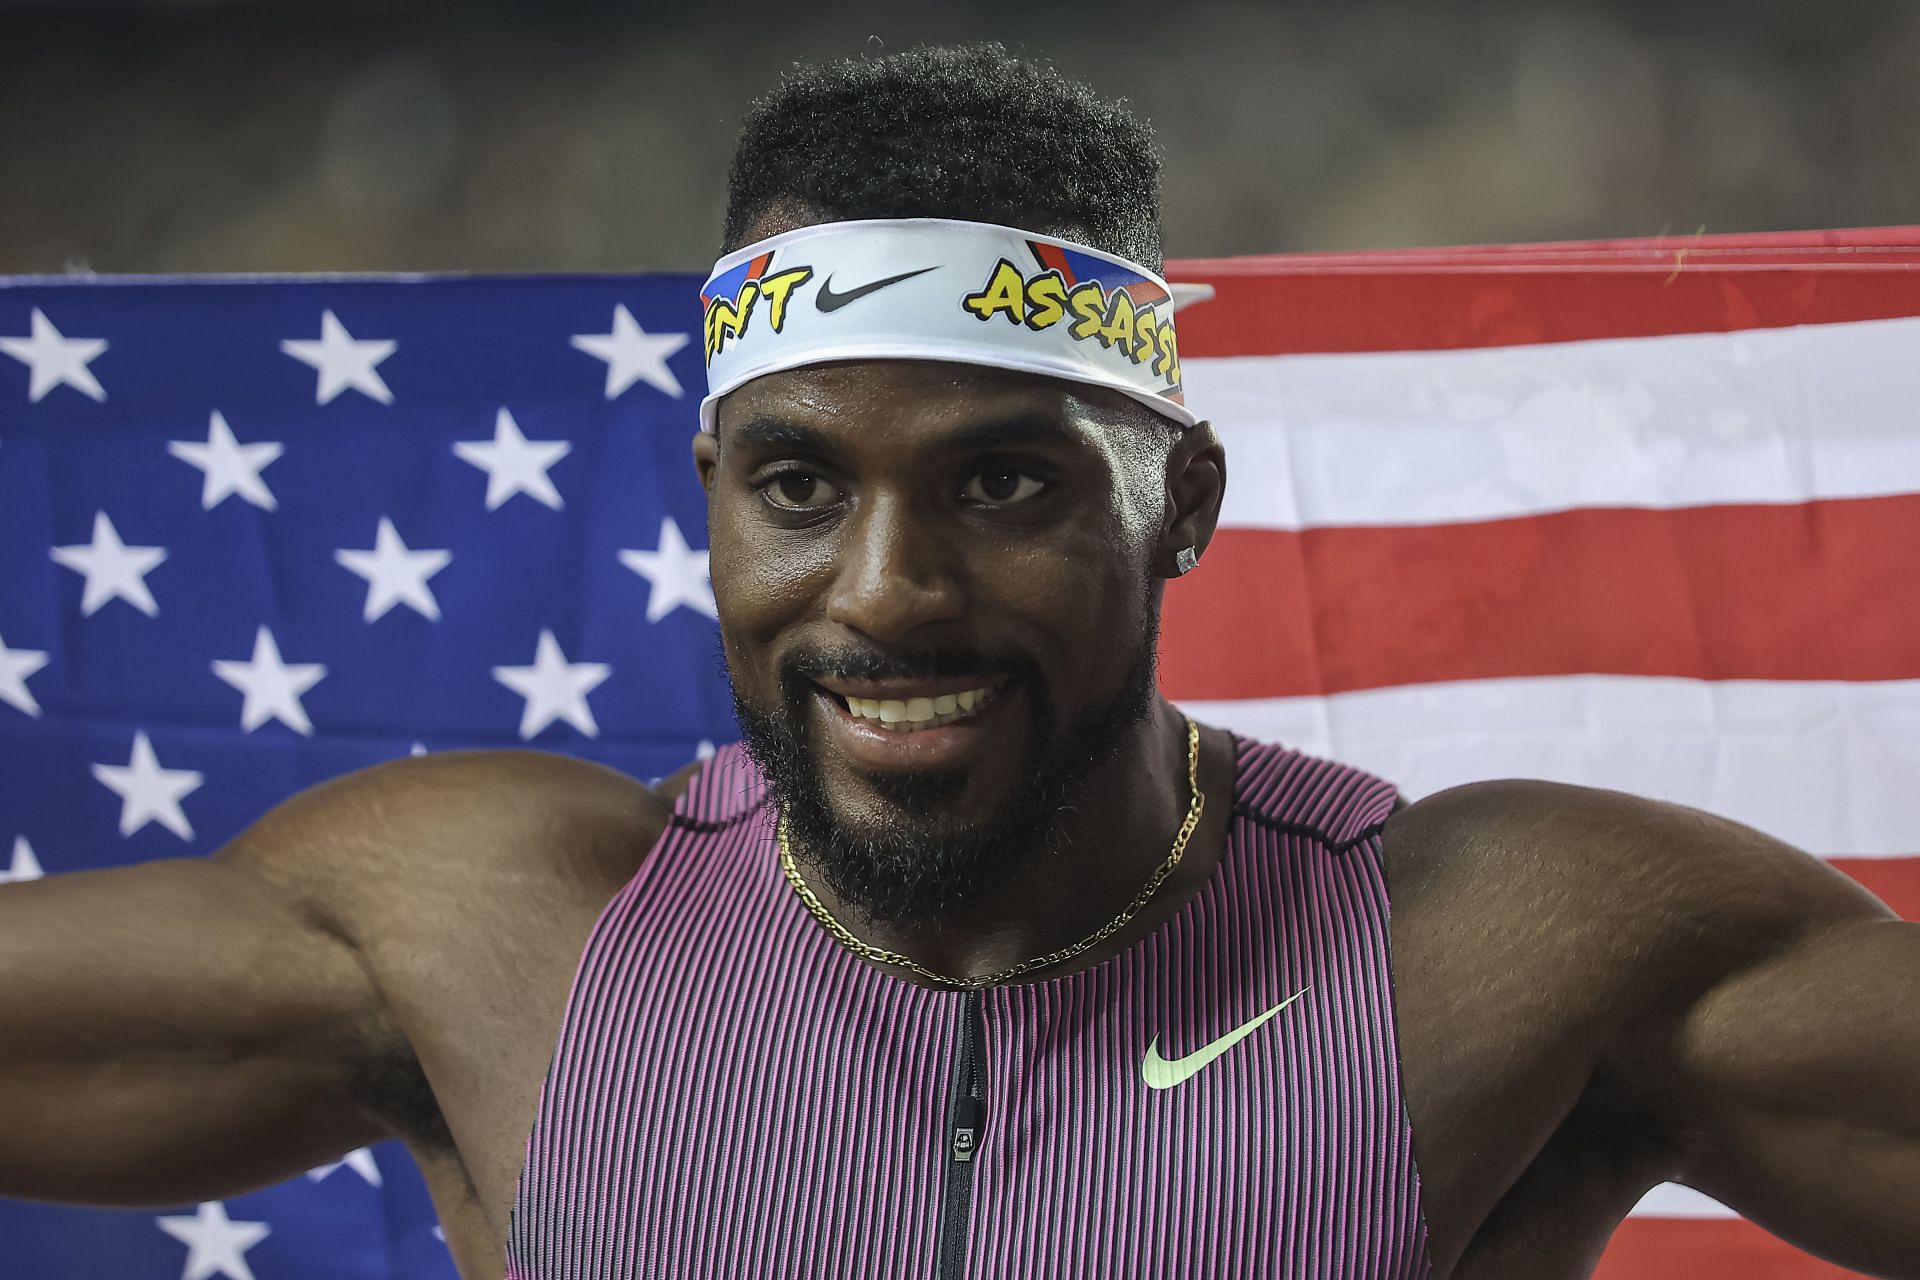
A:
(1111, 839)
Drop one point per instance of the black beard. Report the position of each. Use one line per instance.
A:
(891, 872)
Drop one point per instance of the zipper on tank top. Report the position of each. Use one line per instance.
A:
(963, 1141)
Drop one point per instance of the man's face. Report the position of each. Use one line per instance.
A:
(936, 610)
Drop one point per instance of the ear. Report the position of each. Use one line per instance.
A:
(1196, 484)
(706, 458)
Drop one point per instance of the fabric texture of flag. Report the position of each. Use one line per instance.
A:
(1640, 515)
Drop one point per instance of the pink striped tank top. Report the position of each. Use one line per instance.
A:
(736, 1095)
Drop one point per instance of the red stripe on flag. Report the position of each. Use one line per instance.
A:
(1895, 881)
(1812, 591)
(1428, 300)
(1707, 1249)
(1823, 249)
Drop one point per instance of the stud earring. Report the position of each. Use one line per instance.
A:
(1185, 558)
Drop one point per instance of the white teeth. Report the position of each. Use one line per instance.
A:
(909, 714)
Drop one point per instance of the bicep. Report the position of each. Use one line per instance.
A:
(1797, 1083)
(172, 1031)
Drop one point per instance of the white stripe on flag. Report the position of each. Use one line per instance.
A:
(1671, 1200)
(1759, 416)
(1828, 766)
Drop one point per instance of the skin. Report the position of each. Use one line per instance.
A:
(895, 548)
(1595, 992)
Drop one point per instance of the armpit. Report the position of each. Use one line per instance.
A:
(386, 1081)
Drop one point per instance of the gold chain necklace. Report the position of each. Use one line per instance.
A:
(1196, 803)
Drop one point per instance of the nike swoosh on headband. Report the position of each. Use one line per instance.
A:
(827, 300)
(1162, 1074)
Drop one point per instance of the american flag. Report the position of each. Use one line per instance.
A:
(1635, 515)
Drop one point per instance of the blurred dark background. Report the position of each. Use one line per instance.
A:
(254, 135)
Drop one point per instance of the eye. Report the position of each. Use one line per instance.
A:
(1002, 486)
(798, 491)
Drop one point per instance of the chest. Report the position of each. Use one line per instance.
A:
(1488, 1009)
(724, 1062)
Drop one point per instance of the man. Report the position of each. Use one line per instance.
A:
(980, 959)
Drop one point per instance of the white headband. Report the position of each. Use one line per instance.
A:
(937, 289)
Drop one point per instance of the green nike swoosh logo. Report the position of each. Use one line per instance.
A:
(1162, 1074)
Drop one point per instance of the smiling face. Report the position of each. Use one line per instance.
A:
(938, 609)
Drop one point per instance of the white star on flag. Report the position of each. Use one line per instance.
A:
(112, 569)
(216, 1245)
(677, 574)
(149, 793)
(515, 464)
(345, 363)
(634, 355)
(360, 1160)
(24, 866)
(396, 575)
(554, 688)
(54, 359)
(272, 687)
(16, 665)
(230, 467)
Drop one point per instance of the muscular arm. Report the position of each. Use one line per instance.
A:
(172, 1031)
(1796, 1080)
(187, 1029)
(1777, 1048)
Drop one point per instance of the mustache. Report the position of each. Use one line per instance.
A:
(802, 667)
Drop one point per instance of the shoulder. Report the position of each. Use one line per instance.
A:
(470, 815)
(1668, 884)
(1607, 916)
(479, 801)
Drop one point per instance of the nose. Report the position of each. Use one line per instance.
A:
(894, 575)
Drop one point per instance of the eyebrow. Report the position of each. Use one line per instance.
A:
(1026, 429)
(771, 432)
(1008, 433)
